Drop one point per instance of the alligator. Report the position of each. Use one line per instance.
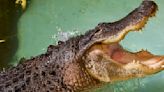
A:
(87, 61)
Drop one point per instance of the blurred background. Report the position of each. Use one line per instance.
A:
(9, 16)
(26, 31)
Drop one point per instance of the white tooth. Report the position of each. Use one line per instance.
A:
(138, 62)
(144, 50)
(134, 61)
(162, 66)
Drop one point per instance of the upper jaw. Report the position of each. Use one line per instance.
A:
(135, 20)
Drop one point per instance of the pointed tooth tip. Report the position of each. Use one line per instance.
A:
(133, 61)
(138, 62)
(162, 66)
(144, 50)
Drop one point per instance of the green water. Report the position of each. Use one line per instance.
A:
(41, 24)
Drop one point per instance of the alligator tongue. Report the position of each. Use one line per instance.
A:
(118, 54)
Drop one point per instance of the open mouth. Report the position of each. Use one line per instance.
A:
(111, 50)
(115, 53)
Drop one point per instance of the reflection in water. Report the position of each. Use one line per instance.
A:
(9, 14)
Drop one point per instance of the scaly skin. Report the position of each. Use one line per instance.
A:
(81, 63)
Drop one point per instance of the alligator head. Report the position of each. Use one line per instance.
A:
(83, 62)
(106, 60)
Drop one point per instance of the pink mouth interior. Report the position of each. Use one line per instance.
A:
(119, 55)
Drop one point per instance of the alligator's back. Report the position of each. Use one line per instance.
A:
(25, 77)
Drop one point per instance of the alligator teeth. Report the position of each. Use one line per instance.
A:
(138, 62)
(162, 66)
(144, 50)
(133, 61)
